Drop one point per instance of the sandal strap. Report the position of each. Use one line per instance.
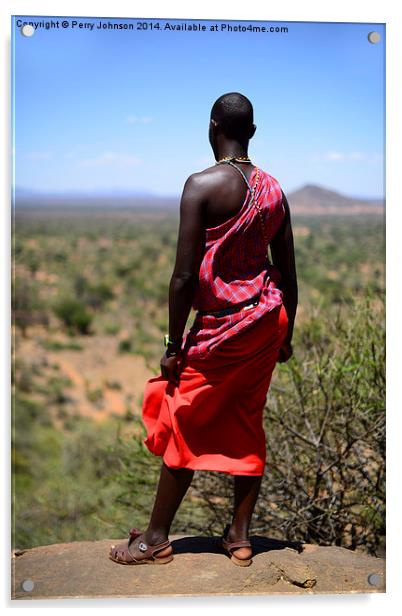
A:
(150, 550)
(244, 543)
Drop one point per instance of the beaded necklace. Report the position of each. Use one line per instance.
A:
(239, 159)
(228, 161)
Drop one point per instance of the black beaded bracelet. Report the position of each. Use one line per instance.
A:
(171, 354)
(172, 344)
(172, 348)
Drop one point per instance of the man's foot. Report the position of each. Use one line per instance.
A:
(129, 551)
(232, 536)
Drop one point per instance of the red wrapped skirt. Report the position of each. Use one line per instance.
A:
(213, 420)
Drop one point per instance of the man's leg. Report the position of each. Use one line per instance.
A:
(247, 488)
(173, 485)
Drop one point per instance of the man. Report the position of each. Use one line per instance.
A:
(212, 208)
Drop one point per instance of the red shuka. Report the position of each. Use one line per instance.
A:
(213, 419)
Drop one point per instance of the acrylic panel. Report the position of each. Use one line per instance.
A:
(110, 117)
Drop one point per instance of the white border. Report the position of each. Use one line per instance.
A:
(286, 10)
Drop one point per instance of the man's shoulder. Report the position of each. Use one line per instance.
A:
(206, 178)
(209, 172)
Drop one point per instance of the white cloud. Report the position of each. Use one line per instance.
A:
(39, 155)
(111, 158)
(366, 157)
(356, 156)
(335, 155)
(133, 119)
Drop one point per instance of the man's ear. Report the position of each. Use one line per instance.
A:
(252, 131)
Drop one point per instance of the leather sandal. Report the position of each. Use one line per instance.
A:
(122, 554)
(229, 546)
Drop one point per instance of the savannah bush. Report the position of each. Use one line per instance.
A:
(324, 420)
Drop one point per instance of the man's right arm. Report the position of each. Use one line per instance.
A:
(283, 257)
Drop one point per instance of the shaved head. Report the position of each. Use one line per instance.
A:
(234, 113)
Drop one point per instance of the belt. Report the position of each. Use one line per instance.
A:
(246, 305)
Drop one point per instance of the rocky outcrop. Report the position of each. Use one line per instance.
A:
(83, 570)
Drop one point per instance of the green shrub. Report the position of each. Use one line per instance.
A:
(92, 295)
(111, 329)
(125, 345)
(325, 429)
(74, 315)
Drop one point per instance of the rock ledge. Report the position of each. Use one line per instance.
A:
(82, 569)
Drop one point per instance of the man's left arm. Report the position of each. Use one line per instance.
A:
(190, 244)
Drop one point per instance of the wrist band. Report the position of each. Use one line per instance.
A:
(171, 353)
(167, 341)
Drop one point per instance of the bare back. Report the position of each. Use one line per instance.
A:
(224, 192)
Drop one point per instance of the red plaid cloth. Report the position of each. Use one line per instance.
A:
(235, 268)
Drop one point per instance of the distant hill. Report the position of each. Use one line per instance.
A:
(118, 199)
(313, 199)
(310, 199)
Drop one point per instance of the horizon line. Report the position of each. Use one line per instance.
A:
(127, 193)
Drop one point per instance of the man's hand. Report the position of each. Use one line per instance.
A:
(285, 352)
(169, 368)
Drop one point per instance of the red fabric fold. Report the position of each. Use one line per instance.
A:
(213, 420)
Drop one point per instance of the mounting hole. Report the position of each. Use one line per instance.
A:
(374, 579)
(27, 30)
(27, 585)
(374, 37)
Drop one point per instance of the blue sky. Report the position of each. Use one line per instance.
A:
(128, 110)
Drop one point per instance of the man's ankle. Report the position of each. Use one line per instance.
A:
(238, 532)
(155, 535)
